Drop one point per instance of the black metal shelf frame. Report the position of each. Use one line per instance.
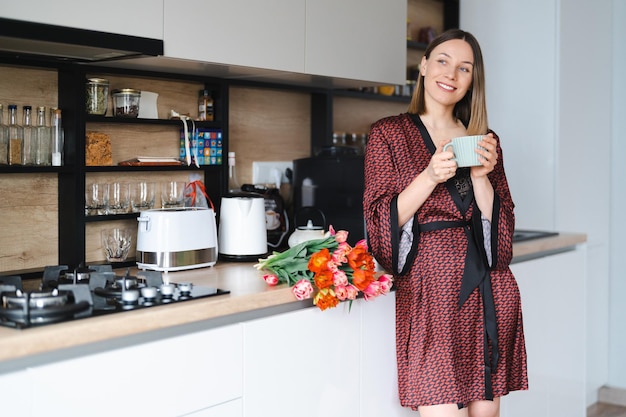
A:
(72, 177)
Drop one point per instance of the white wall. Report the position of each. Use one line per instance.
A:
(549, 68)
(617, 351)
(583, 176)
(521, 97)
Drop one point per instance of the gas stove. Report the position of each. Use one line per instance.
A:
(66, 294)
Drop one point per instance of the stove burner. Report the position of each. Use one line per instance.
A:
(23, 309)
(62, 299)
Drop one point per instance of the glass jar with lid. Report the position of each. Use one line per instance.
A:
(126, 102)
(97, 96)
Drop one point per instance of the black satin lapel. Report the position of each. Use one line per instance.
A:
(479, 236)
(462, 204)
(428, 142)
(395, 234)
(495, 217)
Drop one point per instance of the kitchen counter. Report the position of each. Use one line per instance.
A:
(249, 298)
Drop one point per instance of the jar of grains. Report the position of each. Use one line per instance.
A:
(126, 102)
(97, 96)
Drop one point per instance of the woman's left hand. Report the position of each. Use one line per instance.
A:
(488, 156)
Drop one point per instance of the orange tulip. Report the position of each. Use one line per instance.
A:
(325, 299)
(324, 279)
(319, 261)
(362, 278)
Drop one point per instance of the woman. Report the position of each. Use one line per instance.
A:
(446, 233)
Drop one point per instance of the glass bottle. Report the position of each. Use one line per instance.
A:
(29, 147)
(205, 106)
(16, 137)
(4, 139)
(43, 141)
(233, 180)
(57, 139)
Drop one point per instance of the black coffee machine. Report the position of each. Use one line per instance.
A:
(332, 183)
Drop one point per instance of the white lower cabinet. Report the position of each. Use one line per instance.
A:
(333, 363)
(553, 305)
(304, 363)
(170, 377)
(15, 399)
(229, 409)
(379, 370)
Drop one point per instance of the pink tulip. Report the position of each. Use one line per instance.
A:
(341, 236)
(303, 289)
(352, 292)
(339, 256)
(372, 290)
(341, 292)
(386, 282)
(361, 244)
(339, 278)
(270, 279)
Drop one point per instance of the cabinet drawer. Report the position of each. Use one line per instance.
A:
(171, 377)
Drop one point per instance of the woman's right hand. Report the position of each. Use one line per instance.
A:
(441, 167)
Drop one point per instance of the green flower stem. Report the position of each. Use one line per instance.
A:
(292, 265)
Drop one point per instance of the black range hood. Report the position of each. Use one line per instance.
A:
(42, 41)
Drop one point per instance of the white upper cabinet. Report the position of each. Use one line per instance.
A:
(338, 39)
(357, 39)
(311, 41)
(260, 34)
(141, 18)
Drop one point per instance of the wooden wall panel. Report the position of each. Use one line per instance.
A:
(27, 87)
(28, 203)
(29, 221)
(268, 125)
(356, 116)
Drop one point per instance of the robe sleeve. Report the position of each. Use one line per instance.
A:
(380, 190)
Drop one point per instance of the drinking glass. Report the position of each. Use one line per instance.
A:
(116, 244)
(142, 196)
(172, 194)
(119, 198)
(96, 199)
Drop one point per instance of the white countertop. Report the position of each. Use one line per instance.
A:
(248, 294)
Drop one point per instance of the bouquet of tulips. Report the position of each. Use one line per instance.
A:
(328, 267)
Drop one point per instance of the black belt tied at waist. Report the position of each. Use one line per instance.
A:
(476, 275)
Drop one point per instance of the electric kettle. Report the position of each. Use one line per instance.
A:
(242, 234)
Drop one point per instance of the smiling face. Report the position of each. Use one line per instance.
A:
(448, 73)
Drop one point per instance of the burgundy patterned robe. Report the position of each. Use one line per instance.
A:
(450, 347)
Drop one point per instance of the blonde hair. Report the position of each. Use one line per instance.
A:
(471, 110)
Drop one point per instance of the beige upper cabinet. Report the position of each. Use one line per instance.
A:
(356, 39)
(135, 18)
(335, 39)
(248, 33)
